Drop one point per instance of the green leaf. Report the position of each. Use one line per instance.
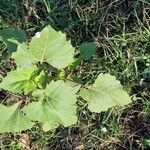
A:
(106, 92)
(47, 126)
(46, 46)
(57, 106)
(13, 120)
(146, 142)
(22, 80)
(87, 50)
(61, 75)
(74, 64)
(10, 35)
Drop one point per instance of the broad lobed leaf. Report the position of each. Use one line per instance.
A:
(13, 120)
(46, 46)
(22, 80)
(106, 92)
(56, 105)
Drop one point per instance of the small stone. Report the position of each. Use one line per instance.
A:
(124, 44)
(104, 130)
(37, 35)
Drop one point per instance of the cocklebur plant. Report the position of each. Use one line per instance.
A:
(42, 66)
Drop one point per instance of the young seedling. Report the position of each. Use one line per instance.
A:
(41, 72)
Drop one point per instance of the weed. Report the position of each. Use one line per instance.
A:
(121, 30)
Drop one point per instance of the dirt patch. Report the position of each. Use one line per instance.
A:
(136, 126)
